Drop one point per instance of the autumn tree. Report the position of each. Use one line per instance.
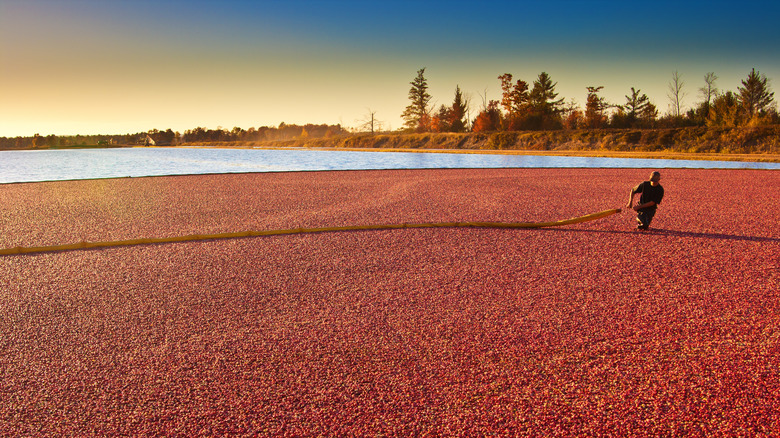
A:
(416, 115)
(451, 118)
(754, 94)
(572, 116)
(440, 121)
(725, 110)
(514, 96)
(489, 119)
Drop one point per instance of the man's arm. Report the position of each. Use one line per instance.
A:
(634, 191)
(631, 196)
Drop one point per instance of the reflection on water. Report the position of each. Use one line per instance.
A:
(51, 165)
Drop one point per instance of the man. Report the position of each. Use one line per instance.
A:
(652, 194)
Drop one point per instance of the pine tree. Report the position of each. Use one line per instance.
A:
(648, 114)
(636, 104)
(458, 112)
(545, 110)
(754, 94)
(416, 114)
(543, 96)
(637, 109)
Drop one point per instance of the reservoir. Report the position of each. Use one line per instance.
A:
(70, 164)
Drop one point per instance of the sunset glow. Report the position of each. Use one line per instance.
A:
(89, 67)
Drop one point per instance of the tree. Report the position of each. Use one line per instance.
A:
(571, 116)
(637, 109)
(489, 119)
(542, 96)
(458, 112)
(166, 137)
(725, 110)
(451, 118)
(636, 104)
(708, 92)
(574, 120)
(754, 94)
(648, 114)
(514, 97)
(440, 122)
(595, 106)
(546, 110)
(676, 94)
(370, 123)
(416, 115)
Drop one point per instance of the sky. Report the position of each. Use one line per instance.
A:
(72, 67)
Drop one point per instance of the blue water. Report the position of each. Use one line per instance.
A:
(55, 165)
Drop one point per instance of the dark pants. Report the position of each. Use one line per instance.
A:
(644, 217)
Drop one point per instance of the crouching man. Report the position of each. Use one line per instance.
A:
(651, 195)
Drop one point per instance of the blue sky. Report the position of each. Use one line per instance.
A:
(89, 66)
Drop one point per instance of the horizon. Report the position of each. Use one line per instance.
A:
(119, 67)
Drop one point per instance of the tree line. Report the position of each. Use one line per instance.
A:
(264, 133)
(524, 106)
(169, 137)
(536, 106)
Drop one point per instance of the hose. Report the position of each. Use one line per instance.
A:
(241, 234)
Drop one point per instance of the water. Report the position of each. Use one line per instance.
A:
(56, 165)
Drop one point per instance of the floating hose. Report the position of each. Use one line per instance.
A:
(194, 237)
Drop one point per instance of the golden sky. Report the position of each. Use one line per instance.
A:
(114, 67)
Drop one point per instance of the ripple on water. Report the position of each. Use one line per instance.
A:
(56, 165)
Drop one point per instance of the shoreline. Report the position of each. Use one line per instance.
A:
(758, 158)
(660, 155)
(693, 156)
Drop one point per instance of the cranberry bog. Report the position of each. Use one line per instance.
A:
(590, 329)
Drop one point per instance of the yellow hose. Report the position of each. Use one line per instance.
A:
(194, 237)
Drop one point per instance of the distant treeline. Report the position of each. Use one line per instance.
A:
(265, 133)
(170, 138)
(763, 139)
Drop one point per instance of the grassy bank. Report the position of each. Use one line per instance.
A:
(760, 143)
